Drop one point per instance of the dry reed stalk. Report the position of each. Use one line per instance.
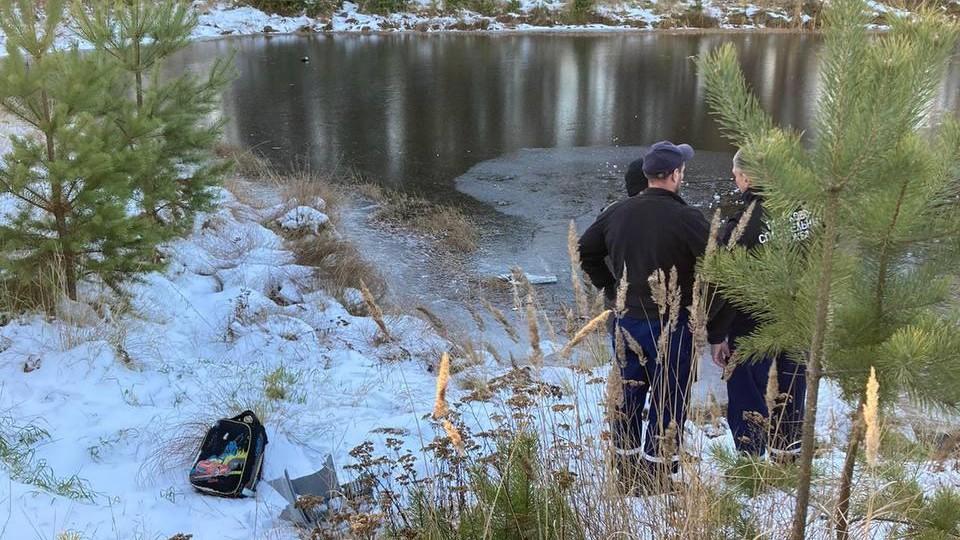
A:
(658, 290)
(599, 301)
(614, 393)
(741, 225)
(455, 438)
(534, 331)
(870, 412)
(698, 317)
(635, 347)
(773, 389)
(440, 407)
(519, 284)
(732, 364)
(596, 323)
(435, 322)
(714, 230)
(493, 352)
(674, 299)
(573, 250)
(570, 320)
(622, 287)
(702, 292)
(551, 332)
(375, 312)
(477, 319)
(502, 319)
(619, 345)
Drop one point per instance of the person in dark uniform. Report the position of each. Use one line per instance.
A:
(634, 182)
(652, 231)
(756, 430)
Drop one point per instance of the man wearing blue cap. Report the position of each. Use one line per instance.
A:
(652, 231)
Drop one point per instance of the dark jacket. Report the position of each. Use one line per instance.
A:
(655, 229)
(726, 319)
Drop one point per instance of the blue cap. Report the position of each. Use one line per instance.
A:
(665, 157)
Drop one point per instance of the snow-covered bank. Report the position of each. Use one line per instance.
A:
(123, 392)
(224, 18)
(233, 18)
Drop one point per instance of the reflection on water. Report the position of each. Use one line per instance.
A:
(418, 110)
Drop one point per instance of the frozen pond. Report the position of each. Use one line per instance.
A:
(526, 132)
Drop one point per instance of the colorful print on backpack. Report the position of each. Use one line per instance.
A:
(230, 458)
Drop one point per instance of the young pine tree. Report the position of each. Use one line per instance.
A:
(69, 185)
(139, 36)
(870, 287)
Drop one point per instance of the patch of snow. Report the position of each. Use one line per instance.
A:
(224, 20)
(303, 218)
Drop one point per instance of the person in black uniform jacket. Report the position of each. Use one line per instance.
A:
(654, 230)
(634, 182)
(755, 429)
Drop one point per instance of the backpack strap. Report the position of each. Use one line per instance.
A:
(249, 417)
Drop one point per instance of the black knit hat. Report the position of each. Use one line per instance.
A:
(635, 181)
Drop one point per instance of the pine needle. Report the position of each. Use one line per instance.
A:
(870, 412)
(588, 329)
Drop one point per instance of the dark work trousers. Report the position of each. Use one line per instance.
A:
(667, 382)
(754, 429)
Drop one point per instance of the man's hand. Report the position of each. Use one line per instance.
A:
(721, 354)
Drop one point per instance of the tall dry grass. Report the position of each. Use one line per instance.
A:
(448, 224)
(339, 265)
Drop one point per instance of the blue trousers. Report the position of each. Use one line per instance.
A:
(666, 380)
(755, 429)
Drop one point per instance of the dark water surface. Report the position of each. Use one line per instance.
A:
(419, 110)
(457, 114)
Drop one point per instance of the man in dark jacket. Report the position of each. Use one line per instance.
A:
(754, 429)
(634, 182)
(652, 231)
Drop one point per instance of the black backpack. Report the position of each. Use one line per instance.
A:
(230, 459)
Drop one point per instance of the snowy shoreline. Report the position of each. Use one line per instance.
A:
(223, 20)
(531, 16)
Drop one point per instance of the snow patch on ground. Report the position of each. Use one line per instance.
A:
(303, 218)
(124, 396)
